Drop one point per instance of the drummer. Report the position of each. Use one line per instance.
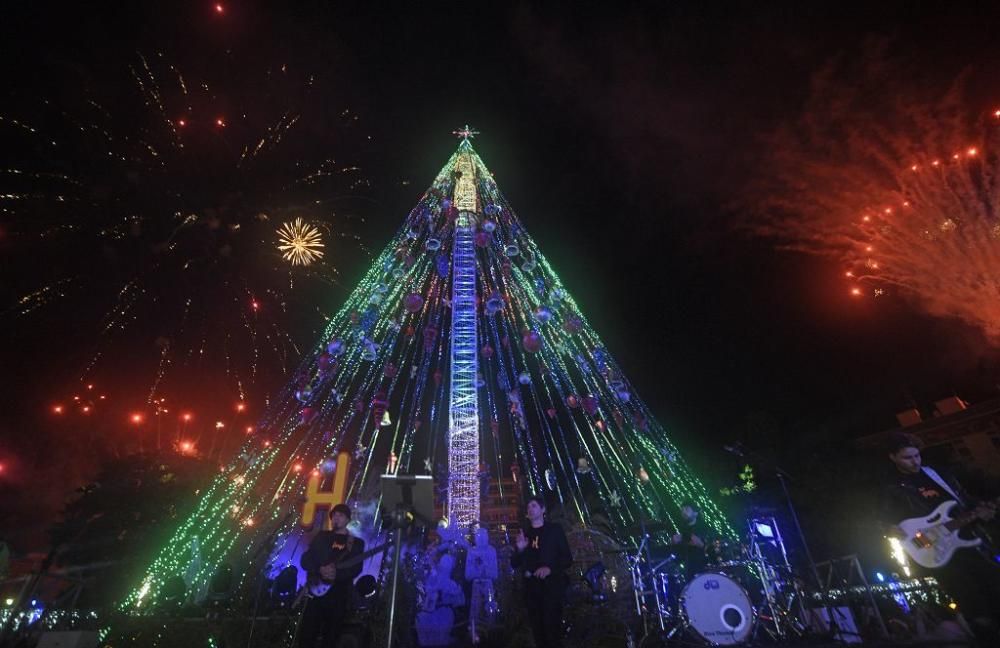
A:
(692, 539)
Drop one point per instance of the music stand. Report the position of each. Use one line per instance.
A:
(405, 498)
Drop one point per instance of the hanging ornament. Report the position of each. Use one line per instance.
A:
(328, 466)
(325, 361)
(543, 314)
(398, 273)
(410, 331)
(512, 250)
(371, 350)
(376, 299)
(528, 265)
(306, 415)
(359, 452)
(669, 454)
(489, 226)
(392, 462)
(413, 371)
(442, 263)
(532, 342)
(379, 405)
(642, 475)
(335, 347)
(583, 466)
(551, 413)
(550, 479)
(573, 324)
(413, 302)
(599, 424)
(394, 324)
(486, 351)
(491, 209)
(615, 499)
(304, 395)
(386, 421)
(590, 405)
(559, 294)
(369, 318)
(524, 378)
(482, 239)
(414, 232)
(433, 244)
(573, 401)
(390, 370)
(494, 304)
(430, 336)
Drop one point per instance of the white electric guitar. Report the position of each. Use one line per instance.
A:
(931, 541)
(316, 586)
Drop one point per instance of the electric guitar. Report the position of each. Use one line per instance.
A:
(931, 541)
(316, 586)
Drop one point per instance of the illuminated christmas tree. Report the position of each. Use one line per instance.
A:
(459, 354)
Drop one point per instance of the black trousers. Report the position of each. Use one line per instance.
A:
(974, 582)
(544, 599)
(324, 617)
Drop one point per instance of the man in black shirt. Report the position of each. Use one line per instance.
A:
(543, 557)
(915, 490)
(324, 615)
(692, 539)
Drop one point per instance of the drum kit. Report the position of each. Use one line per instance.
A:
(726, 593)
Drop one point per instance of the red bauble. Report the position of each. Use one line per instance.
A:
(413, 302)
(532, 342)
(482, 239)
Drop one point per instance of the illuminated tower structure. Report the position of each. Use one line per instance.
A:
(463, 413)
(460, 354)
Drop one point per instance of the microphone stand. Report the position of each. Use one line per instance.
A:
(783, 479)
(269, 545)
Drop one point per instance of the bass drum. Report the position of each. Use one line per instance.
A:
(717, 609)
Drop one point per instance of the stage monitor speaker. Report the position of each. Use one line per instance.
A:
(68, 639)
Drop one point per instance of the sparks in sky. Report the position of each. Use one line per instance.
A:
(300, 242)
(905, 195)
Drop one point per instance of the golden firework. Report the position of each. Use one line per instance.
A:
(300, 242)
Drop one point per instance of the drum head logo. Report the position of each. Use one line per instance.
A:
(711, 584)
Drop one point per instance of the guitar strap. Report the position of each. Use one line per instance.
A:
(930, 472)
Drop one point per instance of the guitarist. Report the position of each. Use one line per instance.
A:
(915, 490)
(324, 615)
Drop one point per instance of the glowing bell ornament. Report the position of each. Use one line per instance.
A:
(532, 342)
(413, 302)
(524, 378)
(386, 421)
(543, 314)
(489, 226)
(494, 304)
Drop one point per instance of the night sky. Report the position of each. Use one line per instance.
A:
(624, 138)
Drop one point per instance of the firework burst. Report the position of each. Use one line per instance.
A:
(905, 195)
(300, 242)
(141, 207)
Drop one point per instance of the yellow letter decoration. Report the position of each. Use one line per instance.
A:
(326, 500)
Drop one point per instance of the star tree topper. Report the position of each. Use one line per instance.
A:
(466, 133)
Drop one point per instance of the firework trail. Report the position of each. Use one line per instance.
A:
(903, 191)
(145, 205)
